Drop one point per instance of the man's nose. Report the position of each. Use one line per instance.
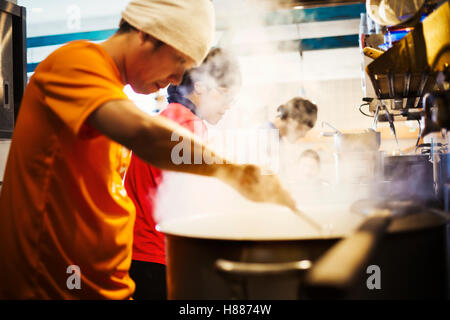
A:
(227, 107)
(176, 78)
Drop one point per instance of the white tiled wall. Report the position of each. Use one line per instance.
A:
(338, 101)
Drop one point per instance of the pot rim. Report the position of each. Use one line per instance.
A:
(167, 228)
(252, 239)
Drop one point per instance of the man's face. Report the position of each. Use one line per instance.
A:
(149, 69)
(295, 130)
(308, 168)
(213, 103)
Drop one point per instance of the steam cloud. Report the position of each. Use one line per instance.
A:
(327, 200)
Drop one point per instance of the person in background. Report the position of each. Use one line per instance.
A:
(205, 93)
(66, 221)
(309, 166)
(209, 90)
(295, 118)
(293, 121)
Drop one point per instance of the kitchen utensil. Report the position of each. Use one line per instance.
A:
(336, 131)
(375, 117)
(393, 131)
(372, 53)
(310, 221)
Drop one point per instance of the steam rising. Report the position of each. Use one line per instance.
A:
(326, 199)
(182, 195)
(192, 205)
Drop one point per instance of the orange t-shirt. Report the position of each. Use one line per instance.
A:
(63, 202)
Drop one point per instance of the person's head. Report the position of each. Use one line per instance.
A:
(309, 165)
(211, 87)
(296, 117)
(163, 40)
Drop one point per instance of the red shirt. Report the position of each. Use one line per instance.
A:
(142, 181)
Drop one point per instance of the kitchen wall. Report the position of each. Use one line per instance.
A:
(337, 99)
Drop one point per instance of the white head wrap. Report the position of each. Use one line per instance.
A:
(186, 25)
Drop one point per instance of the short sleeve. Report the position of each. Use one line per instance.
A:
(181, 115)
(76, 80)
(196, 126)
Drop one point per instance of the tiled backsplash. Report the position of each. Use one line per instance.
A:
(338, 101)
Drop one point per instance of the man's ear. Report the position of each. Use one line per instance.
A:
(199, 88)
(145, 37)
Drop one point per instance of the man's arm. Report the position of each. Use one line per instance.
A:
(150, 139)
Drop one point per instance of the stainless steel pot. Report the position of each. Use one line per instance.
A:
(221, 257)
(368, 140)
(407, 177)
(356, 142)
(359, 167)
(411, 255)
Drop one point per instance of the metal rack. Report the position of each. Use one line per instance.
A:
(410, 69)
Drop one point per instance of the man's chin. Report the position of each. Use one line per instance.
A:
(291, 139)
(213, 121)
(148, 90)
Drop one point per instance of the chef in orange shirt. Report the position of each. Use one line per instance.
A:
(204, 95)
(66, 222)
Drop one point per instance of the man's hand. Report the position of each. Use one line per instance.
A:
(251, 183)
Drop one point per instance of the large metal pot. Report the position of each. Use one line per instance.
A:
(368, 140)
(357, 158)
(411, 256)
(407, 177)
(199, 249)
(358, 167)
(267, 255)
